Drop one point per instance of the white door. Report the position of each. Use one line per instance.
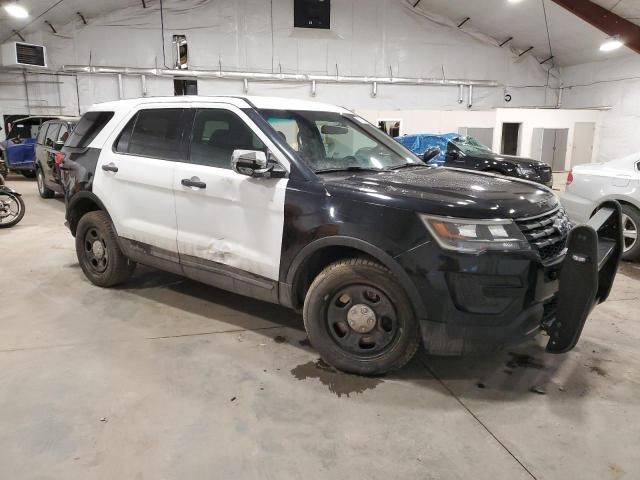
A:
(226, 218)
(583, 143)
(134, 176)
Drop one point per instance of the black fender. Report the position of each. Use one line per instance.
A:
(373, 251)
(7, 189)
(74, 205)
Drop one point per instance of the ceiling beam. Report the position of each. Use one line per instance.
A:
(603, 19)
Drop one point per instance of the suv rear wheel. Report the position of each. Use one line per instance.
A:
(42, 187)
(98, 252)
(630, 226)
(359, 318)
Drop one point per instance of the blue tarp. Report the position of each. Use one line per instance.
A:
(419, 143)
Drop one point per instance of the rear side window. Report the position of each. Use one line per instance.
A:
(41, 135)
(216, 134)
(63, 134)
(153, 133)
(90, 125)
(52, 133)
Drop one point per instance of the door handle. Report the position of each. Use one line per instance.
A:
(110, 167)
(193, 182)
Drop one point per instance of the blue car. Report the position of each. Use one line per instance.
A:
(18, 150)
(459, 151)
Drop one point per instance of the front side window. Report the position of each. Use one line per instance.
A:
(52, 134)
(216, 134)
(334, 141)
(153, 133)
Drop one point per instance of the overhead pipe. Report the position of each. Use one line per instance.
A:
(313, 88)
(470, 102)
(460, 94)
(274, 77)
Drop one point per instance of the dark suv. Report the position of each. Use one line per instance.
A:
(458, 151)
(50, 140)
(310, 206)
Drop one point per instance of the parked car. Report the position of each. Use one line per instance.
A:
(590, 185)
(18, 149)
(458, 151)
(312, 207)
(51, 138)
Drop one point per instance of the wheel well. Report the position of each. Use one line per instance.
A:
(315, 263)
(621, 202)
(78, 210)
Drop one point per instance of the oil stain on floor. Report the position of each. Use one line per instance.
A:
(338, 382)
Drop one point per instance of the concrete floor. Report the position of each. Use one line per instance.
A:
(167, 378)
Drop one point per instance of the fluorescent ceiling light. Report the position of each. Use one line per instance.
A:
(611, 44)
(16, 10)
(515, 1)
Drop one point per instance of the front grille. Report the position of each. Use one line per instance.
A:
(547, 233)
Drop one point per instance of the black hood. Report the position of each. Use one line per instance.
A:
(445, 191)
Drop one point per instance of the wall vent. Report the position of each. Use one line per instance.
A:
(312, 14)
(20, 54)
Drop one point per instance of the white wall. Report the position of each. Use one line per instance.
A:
(368, 37)
(614, 83)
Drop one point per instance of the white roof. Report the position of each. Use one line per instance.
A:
(241, 101)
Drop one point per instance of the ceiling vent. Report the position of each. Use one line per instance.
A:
(19, 54)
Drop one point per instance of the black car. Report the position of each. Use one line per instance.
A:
(458, 151)
(310, 206)
(51, 138)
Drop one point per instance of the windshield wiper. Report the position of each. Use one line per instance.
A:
(350, 169)
(407, 165)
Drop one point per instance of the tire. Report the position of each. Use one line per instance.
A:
(28, 173)
(21, 209)
(360, 294)
(631, 225)
(43, 190)
(98, 251)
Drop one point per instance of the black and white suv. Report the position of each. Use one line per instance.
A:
(310, 206)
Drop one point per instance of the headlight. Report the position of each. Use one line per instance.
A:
(526, 171)
(475, 236)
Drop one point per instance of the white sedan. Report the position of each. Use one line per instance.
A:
(590, 185)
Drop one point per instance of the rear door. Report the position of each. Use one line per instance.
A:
(134, 177)
(45, 152)
(231, 222)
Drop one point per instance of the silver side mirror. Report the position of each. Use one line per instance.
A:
(255, 163)
(252, 163)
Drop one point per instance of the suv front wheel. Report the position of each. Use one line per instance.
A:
(98, 252)
(359, 318)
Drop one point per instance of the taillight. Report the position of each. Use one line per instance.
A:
(58, 158)
(570, 177)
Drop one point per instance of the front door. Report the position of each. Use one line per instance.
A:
(134, 178)
(229, 225)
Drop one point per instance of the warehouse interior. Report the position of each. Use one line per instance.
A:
(172, 375)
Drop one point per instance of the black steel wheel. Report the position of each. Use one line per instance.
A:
(98, 251)
(359, 318)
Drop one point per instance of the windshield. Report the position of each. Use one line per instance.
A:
(329, 141)
(470, 145)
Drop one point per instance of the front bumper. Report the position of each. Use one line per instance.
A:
(480, 303)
